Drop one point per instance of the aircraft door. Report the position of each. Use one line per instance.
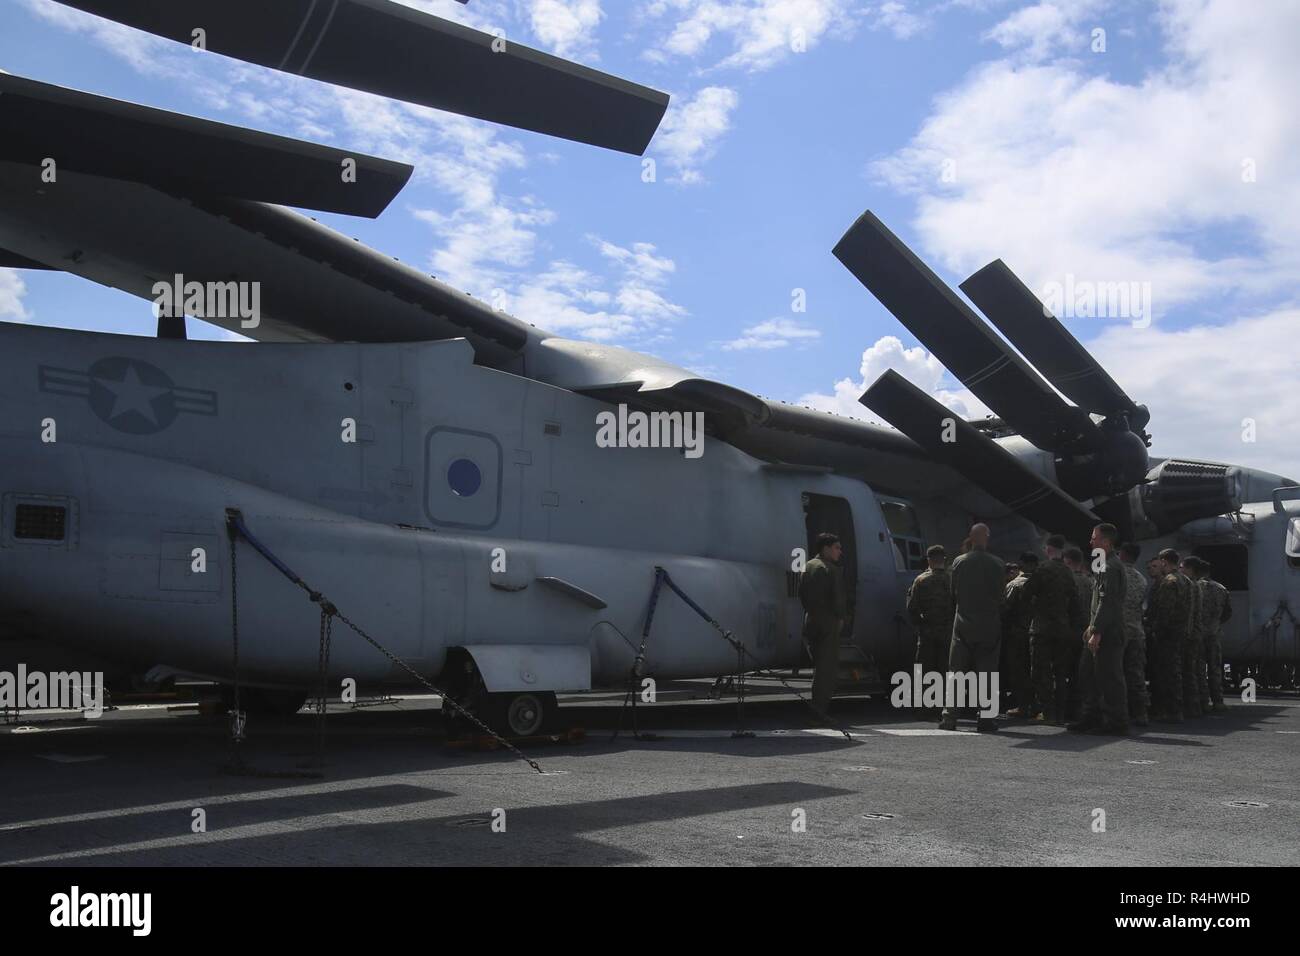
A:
(908, 546)
(905, 532)
(826, 513)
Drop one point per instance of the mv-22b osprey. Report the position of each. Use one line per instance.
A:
(432, 464)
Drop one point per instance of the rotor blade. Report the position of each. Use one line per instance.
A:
(12, 260)
(960, 339)
(976, 456)
(392, 50)
(1043, 340)
(105, 137)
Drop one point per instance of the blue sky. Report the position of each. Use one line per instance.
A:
(974, 128)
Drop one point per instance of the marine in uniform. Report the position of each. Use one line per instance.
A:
(1193, 648)
(1216, 608)
(930, 607)
(1135, 644)
(821, 591)
(1053, 641)
(1171, 612)
(1103, 699)
(978, 583)
(1017, 616)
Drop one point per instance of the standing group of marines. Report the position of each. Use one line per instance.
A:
(1074, 644)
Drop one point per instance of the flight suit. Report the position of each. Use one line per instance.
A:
(1135, 645)
(1193, 654)
(978, 587)
(1082, 581)
(1084, 584)
(1017, 615)
(821, 591)
(1171, 613)
(1216, 607)
(1103, 698)
(1052, 640)
(930, 607)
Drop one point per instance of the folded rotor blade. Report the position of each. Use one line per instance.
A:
(182, 154)
(1044, 341)
(976, 456)
(960, 339)
(392, 50)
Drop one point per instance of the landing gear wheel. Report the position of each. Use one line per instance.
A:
(522, 715)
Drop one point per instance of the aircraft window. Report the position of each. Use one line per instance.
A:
(1231, 564)
(464, 477)
(901, 519)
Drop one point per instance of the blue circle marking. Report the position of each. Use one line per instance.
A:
(464, 477)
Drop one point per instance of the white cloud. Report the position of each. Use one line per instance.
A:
(1059, 171)
(12, 290)
(898, 19)
(1201, 384)
(773, 334)
(570, 300)
(915, 364)
(761, 33)
(640, 261)
(689, 134)
(567, 27)
(1048, 27)
(145, 52)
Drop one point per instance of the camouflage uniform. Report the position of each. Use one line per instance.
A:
(1052, 640)
(1170, 621)
(1017, 615)
(1103, 699)
(1135, 645)
(930, 606)
(1193, 655)
(1082, 581)
(1215, 609)
(821, 590)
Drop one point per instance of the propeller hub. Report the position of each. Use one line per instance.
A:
(1119, 464)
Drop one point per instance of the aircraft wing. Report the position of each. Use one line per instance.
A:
(314, 284)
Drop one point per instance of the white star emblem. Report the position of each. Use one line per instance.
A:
(133, 395)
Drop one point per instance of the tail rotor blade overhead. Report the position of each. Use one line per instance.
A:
(395, 51)
(976, 456)
(1041, 338)
(966, 346)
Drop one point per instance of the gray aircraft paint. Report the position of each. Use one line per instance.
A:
(370, 523)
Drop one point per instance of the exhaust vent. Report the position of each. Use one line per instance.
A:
(40, 522)
(1181, 491)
